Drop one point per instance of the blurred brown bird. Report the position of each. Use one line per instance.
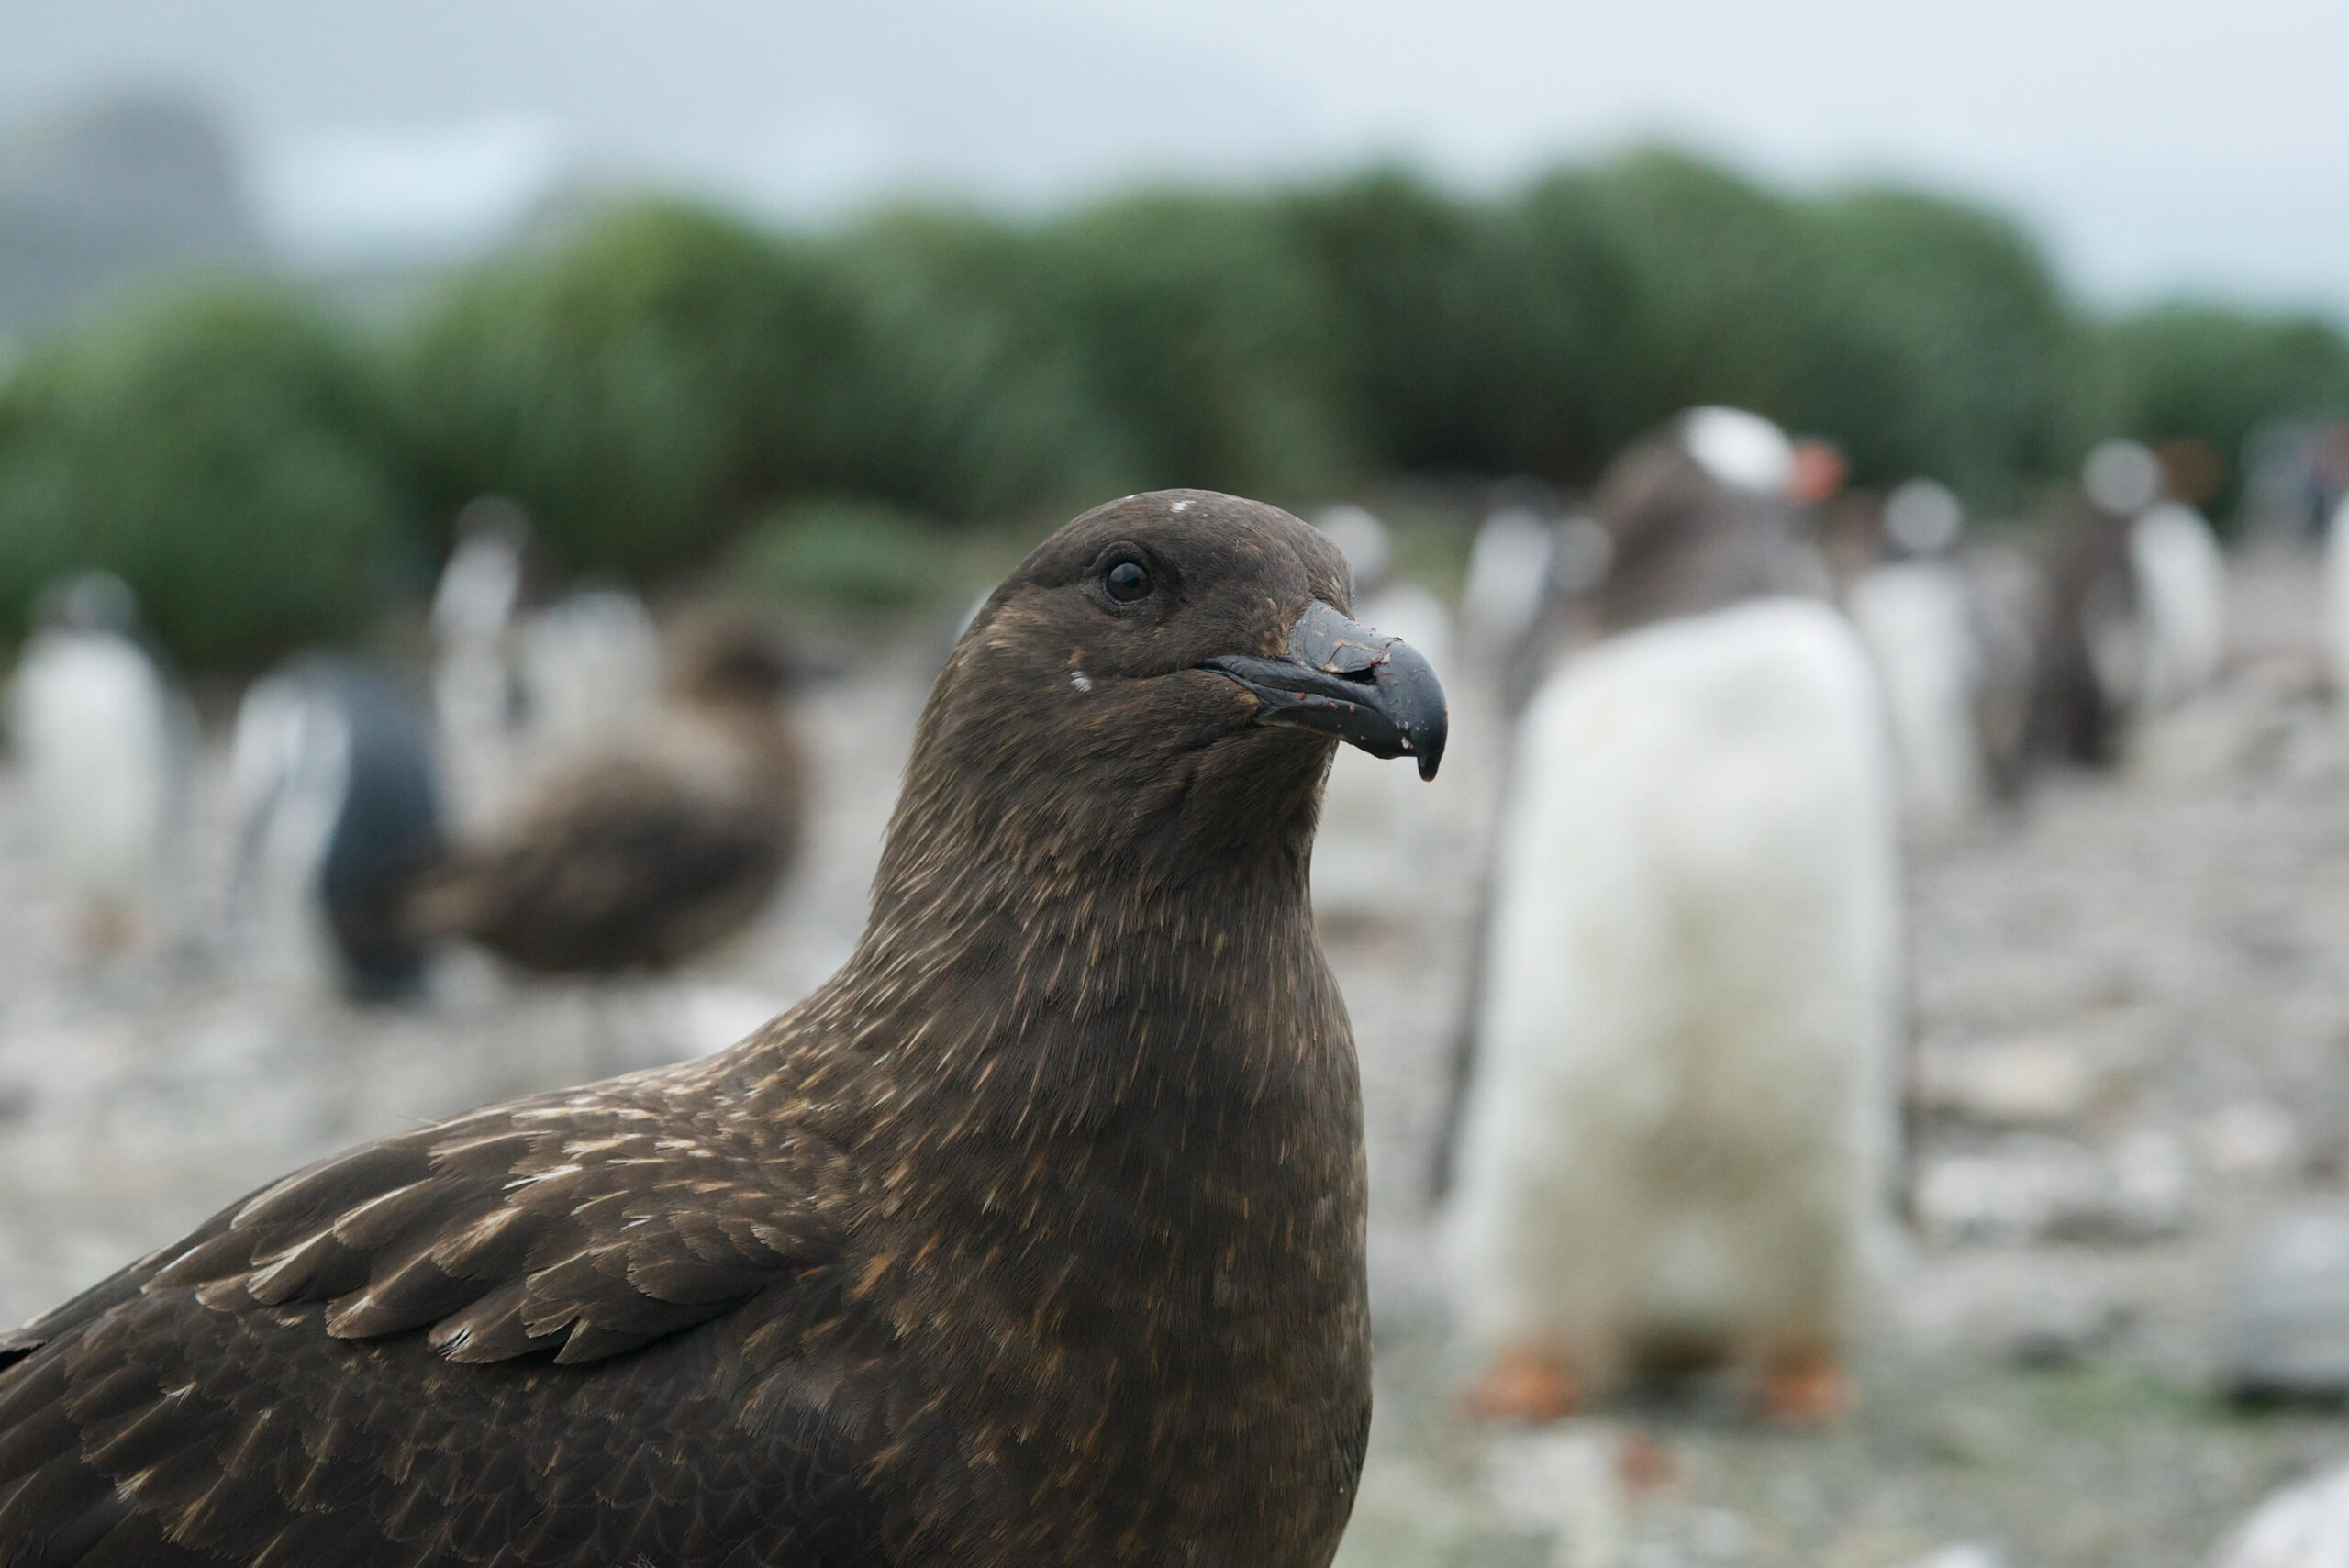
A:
(1034, 1237)
(643, 857)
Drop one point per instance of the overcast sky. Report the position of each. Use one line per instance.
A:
(2158, 145)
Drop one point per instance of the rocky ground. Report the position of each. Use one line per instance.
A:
(2133, 1010)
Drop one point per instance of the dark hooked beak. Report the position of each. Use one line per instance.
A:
(1341, 677)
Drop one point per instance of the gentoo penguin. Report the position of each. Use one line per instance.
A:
(519, 689)
(1525, 560)
(1676, 1143)
(2337, 600)
(2180, 578)
(2136, 612)
(1914, 610)
(2007, 600)
(1033, 1239)
(476, 695)
(1509, 566)
(2182, 596)
(338, 813)
(100, 743)
(651, 847)
(590, 672)
(1380, 830)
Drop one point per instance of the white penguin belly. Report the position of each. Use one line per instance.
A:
(1684, 1105)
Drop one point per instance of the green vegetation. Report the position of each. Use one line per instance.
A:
(856, 553)
(671, 388)
(230, 454)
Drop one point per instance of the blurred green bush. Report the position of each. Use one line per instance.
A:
(850, 552)
(229, 453)
(1541, 334)
(670, 387)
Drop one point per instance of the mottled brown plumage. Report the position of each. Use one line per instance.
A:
(1034, 1237)
(646, 854)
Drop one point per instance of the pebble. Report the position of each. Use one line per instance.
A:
(2024, 1083)
(1568, 1482)
(2289, 1329)
(2251, 1140)
(2034, 1187)
(1963, 1554)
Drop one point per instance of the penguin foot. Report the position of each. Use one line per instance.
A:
(1526, 1386)
(1804, 1387)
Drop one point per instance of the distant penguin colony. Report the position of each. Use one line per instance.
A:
(647, 848)
(101, 744)
(1034, 1237)
(338, 813)
(1677, 1135)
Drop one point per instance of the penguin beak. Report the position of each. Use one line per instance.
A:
(1343, 679)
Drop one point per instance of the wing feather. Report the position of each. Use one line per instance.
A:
(471, 1345)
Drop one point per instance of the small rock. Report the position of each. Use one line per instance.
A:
(2150, 1184)
(2250, 1140)
(2306, 1526)
(2064, 1330)
(2290, 1327)
(2031, 1187)
(2010, 1194)
(2215, 738)
(1963, 1554)
(1968, 1434)
(2022, 1083)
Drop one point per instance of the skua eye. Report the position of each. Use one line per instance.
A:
(1127, 580)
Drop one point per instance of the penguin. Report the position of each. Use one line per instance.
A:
(590, 671)
(101, 742)
(2182, 594)
(1509, 568)
(1380, 831)
(475, 696)
(1915, 611)
(337, 800)
(1676, 1139)
(2337, 600)
(2136, 610)
(523, 685)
